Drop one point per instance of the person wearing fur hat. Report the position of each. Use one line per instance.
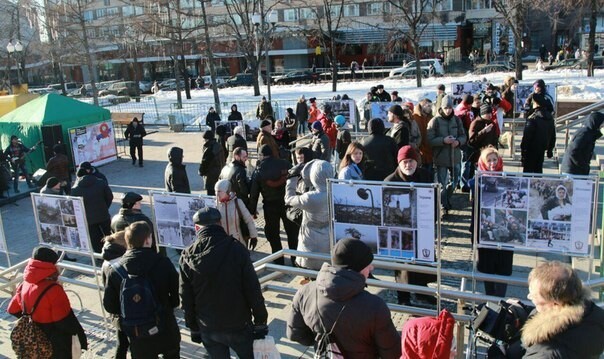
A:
(235, 217)
(446, 134)
(212, 161)
(382, 94)
(131, 212)
(265, 137)
(565, 323)
(319, 143)
(53, 313)
(52, 186)
(360, 321)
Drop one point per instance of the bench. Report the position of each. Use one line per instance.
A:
(124, 118)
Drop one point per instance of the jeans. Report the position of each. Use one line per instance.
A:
(217, 343)
(448, 177)
(134, 147)
(302, 126)
(19, 168)
(273, 212)
(468, 167)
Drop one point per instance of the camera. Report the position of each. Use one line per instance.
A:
(501, 322)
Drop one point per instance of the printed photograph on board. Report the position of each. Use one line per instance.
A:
(357, 203)
(504, 192)
(367, 234)
(49, 210)
(399, 207)
(169, 233)
(396, 242)
(503, 226)
(551, 199)
(547, 234)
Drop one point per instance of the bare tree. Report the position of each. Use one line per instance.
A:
(595, 7)
(210, 55)
(514, 14)
(415, 16)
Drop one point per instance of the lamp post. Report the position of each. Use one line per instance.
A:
(15, 48)
(364, 193)
(266, 24)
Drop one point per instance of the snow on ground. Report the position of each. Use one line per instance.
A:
(572, 85)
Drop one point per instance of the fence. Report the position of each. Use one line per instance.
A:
(147, 105)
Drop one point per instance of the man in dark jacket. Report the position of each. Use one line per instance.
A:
(380, 152)
(91, 170)
(269, 179)
(141, 260)
(382, 94)
(135, 133)
(175, 176)
(58, 167)
(237, 139)
(220, 290)
(211, 119)
(236, 173)
(16, 152)
(212, 161)
(302, 115)
(482, 132)
(130, 213)
(319, 144)
(264, 109)
(580, 150)
(401, 125)
(538, 136)
(97, 199)
(361, 323)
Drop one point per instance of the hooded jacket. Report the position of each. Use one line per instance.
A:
(479, 138)
(218, 285)
(364, 329)
(234, 141)
(236, 173)
(233, 214)
(428, 337)
(97, 198)
(314, 229)
(135, 134)
(269, 179)
(440, 127)
(319, 144)
(127, 216)
(212, 159)
(422, 120)
(176, 179)
(579, 152)
(53, 314)
(380, 152)
(536, 139)
(569, 332)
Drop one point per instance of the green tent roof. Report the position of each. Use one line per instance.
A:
(54, 109)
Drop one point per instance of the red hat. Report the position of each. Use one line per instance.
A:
(405, 153)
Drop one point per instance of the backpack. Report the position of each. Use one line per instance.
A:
(140, 311)
(326, 346)
(27, 338)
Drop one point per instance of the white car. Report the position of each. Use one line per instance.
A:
(425, 65)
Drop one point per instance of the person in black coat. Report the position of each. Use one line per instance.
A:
(235, 115)
(211, 118)
(579, 152)
(176, 179)
(221, 295)
(302, 115)
(380, 152)
(141, 260)
(135, 133)
(97, 198)
(234, 141)
(212, 161)
(92, 170)
(538, 137)
(236, 173)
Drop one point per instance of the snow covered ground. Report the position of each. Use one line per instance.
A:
(571, 85)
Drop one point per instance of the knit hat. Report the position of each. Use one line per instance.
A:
(351, 253)
(206, 216)
(467, 98)
(45, 254)
(397, 110)
(131, 198)
(302, 98)
(440, 87)
(86, 165)
(447, 101)
(409, 105)
(265, 123)
(395, 93)
(265, 150)
(312, 99)
(485, 109)
(51, 182)
(540, 83)
(490, 86)
(223, 185)
(405, 153)
(317, 126)
(340, 120)
(82, 172)
(208, 135)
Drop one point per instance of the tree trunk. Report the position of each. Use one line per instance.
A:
(418, 65)
(592, 38)
(334, 64)
(177, 79)
(210, 55)
(89, 62)
(185, 75)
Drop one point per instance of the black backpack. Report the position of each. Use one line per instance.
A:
(140, 310)
(326, 346)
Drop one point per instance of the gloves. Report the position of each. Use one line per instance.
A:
(295, 171)
(253, 242)
(260, 331)
(196, 337)
(550, 154)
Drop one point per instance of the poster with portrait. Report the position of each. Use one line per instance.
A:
(380, 110)
(346, 108)
(458, 89)
(93, 143)
(524, 90)
(396, 220)
(535, 213)
(61, 222)
(173, 214)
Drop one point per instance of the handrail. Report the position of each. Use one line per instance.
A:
(581, 111)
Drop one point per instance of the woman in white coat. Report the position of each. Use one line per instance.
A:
(234, 215)
(314, 231)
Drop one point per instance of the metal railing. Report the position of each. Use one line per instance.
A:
(570, 120)
(147, 105)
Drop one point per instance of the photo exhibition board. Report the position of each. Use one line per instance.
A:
(173, 214)
(61, 222)
(458, 89)
(380, 110)
(3, 247)
(543, 214)
(396, 220)
(346, 108)
(524, 90)
(230, 126)
(93, 143)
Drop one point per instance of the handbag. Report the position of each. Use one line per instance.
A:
(266, 348)
(294, 214)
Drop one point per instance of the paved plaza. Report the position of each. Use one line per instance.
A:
(21, 237)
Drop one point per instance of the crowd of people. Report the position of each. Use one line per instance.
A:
(425, 142)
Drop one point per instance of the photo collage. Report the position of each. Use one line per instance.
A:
(173, 215)
(346, 108)
(385, 218)
(533, 213)
(61, 221)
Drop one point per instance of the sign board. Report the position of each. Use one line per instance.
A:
(458, 89)
(346, 108)
(173, 214)
(545, 214)
(396, 220)
(93, 143)
(524, 90)
(380, 110)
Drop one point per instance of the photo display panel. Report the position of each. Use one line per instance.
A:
(545, 214)
(3, 248)
(346, 108)
(173, 213)
(61, 221)
(396, 220)
(93, 143)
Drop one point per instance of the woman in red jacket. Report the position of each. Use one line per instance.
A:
(53, 313)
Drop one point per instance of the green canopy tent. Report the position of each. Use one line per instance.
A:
(48, 112)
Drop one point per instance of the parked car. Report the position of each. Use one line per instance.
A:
(296, 76)
(488, 69)
(170, 85)
(425, 65)
(145, 86)
(240, 80)
(122, 88)
(408, 73)
(69, 86)
(207, 81)
(564, 64)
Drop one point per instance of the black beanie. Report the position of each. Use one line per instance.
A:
(485, 109)
(82, 172)
(130, 198)
(397, 110)
(208, 135)
(265, 123)
(351, 253)
(45, 254)
(266, 150)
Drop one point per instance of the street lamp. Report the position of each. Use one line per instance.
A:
(15, 48)
(266, 25)
(364, 194)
